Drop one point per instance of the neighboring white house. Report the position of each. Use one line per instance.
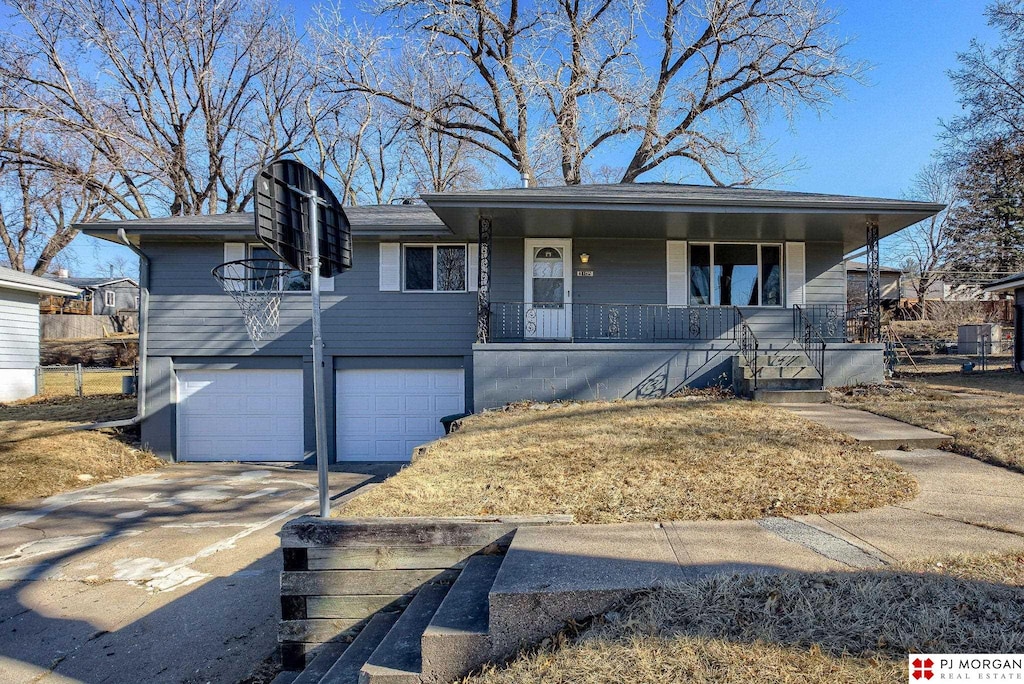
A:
(19, 330)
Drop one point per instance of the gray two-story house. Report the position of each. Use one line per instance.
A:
(471, 300)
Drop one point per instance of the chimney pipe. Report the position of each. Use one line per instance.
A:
(63, 273)
(526, 179)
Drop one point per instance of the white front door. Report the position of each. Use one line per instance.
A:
(547, 311)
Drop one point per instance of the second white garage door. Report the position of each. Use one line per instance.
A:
(383, 414)
(240, 415)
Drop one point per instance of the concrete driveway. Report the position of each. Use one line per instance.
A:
(171, 576)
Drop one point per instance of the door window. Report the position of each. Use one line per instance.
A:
(548, 278)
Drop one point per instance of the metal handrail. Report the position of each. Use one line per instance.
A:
(748, 343)
(811, 342)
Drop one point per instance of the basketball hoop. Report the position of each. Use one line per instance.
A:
(255, 285)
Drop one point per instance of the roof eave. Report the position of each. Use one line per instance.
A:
(40, 289)
(463, 201)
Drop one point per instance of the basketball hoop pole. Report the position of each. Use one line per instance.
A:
(318, 354)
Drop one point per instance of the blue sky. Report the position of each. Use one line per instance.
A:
(870, 143)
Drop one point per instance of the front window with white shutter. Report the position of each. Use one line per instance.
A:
(735, 274)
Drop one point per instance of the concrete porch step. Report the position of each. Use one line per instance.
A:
(772, 384)
(345, 669)
(457, 640)
(399, 659)
(780, 358)
(783, 372)
(791, 396)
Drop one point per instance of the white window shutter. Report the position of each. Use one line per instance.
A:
(678, 276)
(473, 264)
(234, 251)
(796, 274)
(390, 267)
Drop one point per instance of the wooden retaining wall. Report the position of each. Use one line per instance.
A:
(339, 572)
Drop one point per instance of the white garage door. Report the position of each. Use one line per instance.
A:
(240, 415)
(383, 414)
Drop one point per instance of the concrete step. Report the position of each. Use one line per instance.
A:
(783, 372)
(781, 384)
(552, 575)
(398, 658)
(457, 641)
(318, 667)
(345, 669)
(780, 358)
(791, 396)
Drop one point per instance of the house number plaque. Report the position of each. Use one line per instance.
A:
(585, 274)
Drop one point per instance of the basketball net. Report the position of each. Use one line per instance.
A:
(255, 286)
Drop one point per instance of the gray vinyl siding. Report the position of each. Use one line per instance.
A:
(826, 273)
(19, 329)
(191, 316)
(625, 271)
(507, 264)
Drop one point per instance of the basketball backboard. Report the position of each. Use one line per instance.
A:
(281, 191)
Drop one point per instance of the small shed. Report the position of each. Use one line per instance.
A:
(100, 296)
(1014, 284)
(19, 329)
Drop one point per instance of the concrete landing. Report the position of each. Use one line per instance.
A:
(556, 574)
(870, 429)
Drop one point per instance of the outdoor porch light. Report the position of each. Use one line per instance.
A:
(584, 258)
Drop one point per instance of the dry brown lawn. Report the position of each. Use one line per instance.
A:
(40, 457)
(672, 459)
(814, 628)
(983, 412)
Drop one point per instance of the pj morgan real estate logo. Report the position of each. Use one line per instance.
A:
(965, 667)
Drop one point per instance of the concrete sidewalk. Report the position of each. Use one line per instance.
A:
(868, 428)
(965, 506)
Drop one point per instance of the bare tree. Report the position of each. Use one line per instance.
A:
(181, 101)
(378, 149)
(579, 76)
(722, 69)
(39, 205)
(926, 247)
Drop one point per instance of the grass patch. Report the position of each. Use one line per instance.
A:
(40, 457)
(815, 628)
(981, 411)
(670, 459)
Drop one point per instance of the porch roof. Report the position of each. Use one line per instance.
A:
(675, 211)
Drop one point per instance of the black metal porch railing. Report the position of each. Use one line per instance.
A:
(748, 346)
(581, 322)
(811, 342)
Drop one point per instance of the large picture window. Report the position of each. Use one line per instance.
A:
(435, 268)
(735, 274)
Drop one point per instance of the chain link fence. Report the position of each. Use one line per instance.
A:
(75, 380)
